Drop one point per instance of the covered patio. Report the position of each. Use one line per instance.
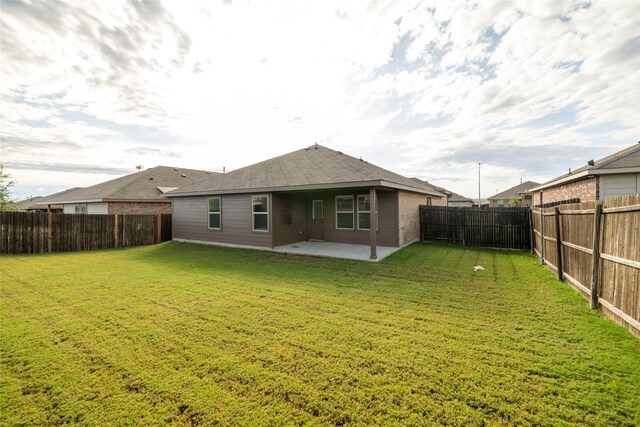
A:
(336, 250)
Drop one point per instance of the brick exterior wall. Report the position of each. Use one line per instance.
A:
(409, 215)
(438, 201)
(585, 189)
(140, 208)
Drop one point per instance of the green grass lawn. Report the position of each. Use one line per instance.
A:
(195, 335)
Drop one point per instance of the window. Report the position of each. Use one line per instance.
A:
(215, 213)
(344, 212)
(501, 203)
(317, 210)
(429, 203)
(260, 213)
(364, 212)
(81, 208)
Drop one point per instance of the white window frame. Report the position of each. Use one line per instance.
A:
(209, 212)
(369, 212)
(253, 222)
(352, 212)
(364, 196)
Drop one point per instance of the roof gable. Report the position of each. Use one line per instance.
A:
(312, 166)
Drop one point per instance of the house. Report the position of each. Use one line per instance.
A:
(312, 194)
(38, 203)
(480, 203)
(137, 193)
(615, 175)
(514, 196)
(458, 201)
(453, 199)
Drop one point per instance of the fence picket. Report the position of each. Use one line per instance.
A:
(37, 232)
(493, 227)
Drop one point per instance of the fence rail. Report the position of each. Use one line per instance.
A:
(595, 247)
(40, 232)
(490, 227)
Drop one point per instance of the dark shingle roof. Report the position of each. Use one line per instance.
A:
(451, 196)
(312, 167)
(455, 197)
(627, 158)
(515, 192)
(137, 186)
(43, 201)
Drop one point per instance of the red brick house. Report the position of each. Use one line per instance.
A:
(615, 175)
(137, 193)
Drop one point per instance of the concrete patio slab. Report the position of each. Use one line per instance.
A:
(336, 250)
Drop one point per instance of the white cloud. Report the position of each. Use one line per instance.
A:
(207, 85)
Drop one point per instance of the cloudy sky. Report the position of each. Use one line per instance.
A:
(424, 88)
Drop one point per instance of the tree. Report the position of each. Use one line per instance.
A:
(6, 202)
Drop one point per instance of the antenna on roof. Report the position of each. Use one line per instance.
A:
(139, 167)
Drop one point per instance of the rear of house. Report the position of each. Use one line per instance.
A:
(312, 194)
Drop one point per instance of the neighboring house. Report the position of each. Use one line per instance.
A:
(39, 203)
(615, 175)
(453, 199)
(458, 201)
(483, 203)
(138, 193)
(514, 196)
(312, 194)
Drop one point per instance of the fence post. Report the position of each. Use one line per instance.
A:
(541, 237)
(49, 232)
(464, 225)
(558, 244)
(115, 230)
(596, 255)
(158, 228)
(532, 235)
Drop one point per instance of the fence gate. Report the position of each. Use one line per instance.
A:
(492, 227)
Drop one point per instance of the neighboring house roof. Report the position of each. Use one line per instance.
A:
(312, 168)
(455, 197)
(623, 161)
(147, 185)
(514, 192)
(40, 202)
(451, 196)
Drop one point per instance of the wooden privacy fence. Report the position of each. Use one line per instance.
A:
(39, 232)
(492, 227)
(595, 247)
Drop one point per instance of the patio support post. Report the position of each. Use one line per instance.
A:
(373, 216)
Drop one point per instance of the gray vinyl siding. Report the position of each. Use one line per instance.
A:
(289, 221)
(388, 221)
(190, 221)
(619, 185)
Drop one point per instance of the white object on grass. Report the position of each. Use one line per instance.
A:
(478, 268)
